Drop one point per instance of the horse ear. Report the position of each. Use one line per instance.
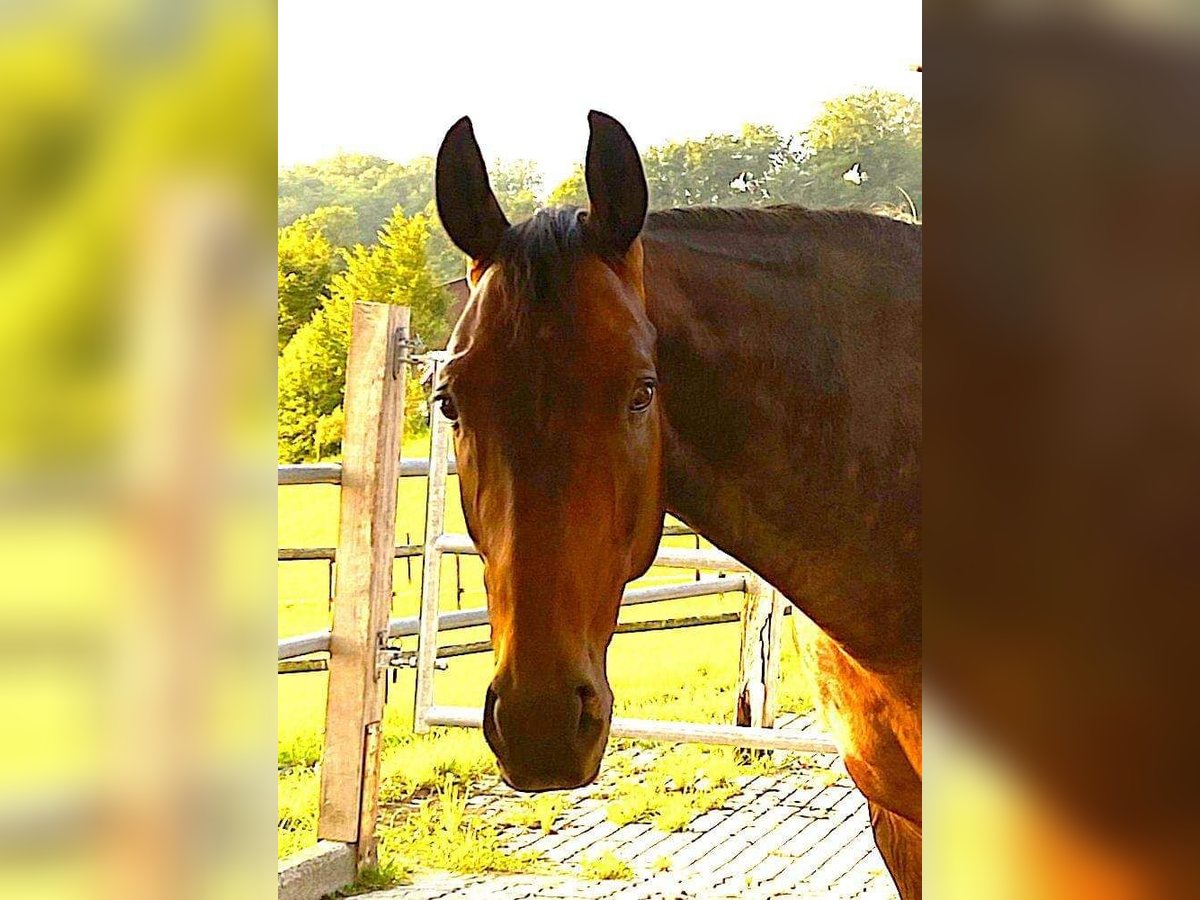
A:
(616, 184)
(465, 202)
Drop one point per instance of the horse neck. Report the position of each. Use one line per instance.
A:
(791, 398)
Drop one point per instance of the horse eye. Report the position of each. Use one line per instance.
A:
(642, 396)
(449, 410)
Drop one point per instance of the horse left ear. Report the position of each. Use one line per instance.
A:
(465, 201)
(616, 184)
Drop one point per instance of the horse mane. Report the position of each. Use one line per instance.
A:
(535, 257)
(773, 219)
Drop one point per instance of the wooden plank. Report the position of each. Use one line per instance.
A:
(756, 620)
(772, 668)
(374, 407)
(365, 848)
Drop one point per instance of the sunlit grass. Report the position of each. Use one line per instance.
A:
(376, 878)
(413, 763)
(299, 794)
(679, 785)
(442, 833)
(605, 867)
(540, 812)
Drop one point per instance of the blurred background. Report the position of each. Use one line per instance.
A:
(138, 428)
(137, 169)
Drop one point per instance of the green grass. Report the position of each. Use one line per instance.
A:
(682, 675)
(443, 834)
(376, 878)
(604, 867)
(680, 784)
(540, 812)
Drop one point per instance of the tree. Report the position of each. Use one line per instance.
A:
(339, 224)
(721, 169)
(370, 185)
(307, 262)
(572, 192)
(395, 270)
(517, 186)
(312, 367)
(880, 131)
(312, 380)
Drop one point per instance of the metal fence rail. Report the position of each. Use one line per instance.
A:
(318, 641)
(331, 473)
(659, 730)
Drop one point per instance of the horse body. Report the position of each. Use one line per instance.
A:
(756, 373)
(788, 358)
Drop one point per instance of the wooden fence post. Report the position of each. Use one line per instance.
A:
(374, 408)
(761, 645)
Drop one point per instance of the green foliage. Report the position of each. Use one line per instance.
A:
(312, 367)
(416, 764)
(370, 185)
(721, 169)
(312, 379)
(879, 130)
(395, 270)
(517, 186)
(572, 192)
(416, 403)
(679, 785)
(307, 262)
(299, 794)
(339, 224)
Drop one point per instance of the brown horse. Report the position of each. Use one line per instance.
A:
(754, 372)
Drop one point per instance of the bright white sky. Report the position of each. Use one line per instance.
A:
(388, 77)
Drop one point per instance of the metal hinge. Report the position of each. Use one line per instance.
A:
(395, 658)
(405, 350)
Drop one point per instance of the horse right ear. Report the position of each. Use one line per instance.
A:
(616, 184)
(465, 202)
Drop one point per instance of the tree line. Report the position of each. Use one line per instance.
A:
(359, 227)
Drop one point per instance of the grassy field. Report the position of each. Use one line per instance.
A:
(686, 674)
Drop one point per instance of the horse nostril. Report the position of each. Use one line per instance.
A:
(590, 722)
(491, 721)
